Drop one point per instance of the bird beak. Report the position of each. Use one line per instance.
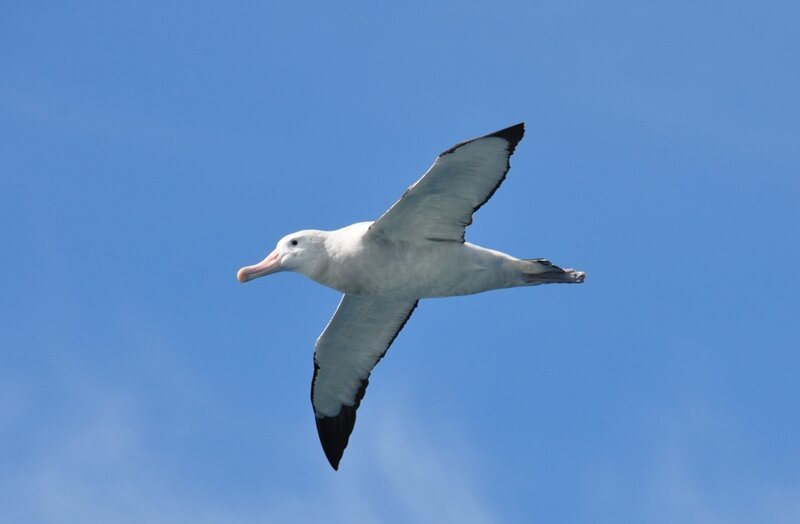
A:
(271, 264)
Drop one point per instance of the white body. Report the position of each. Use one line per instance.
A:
(366, 266)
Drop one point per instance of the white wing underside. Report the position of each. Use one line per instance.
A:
(356, 338)
(439, 206)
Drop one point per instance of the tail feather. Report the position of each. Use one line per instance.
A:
(542, 271)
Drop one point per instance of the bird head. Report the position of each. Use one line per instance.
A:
(300, 252)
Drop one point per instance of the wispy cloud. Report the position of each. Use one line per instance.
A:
(429, 479)
(693, 473)
(94, 462)
(96, 467)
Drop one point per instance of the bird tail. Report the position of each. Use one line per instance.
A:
(542, 271)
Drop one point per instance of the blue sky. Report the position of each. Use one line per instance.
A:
(148, 150)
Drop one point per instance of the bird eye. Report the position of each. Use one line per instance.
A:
(293, 242)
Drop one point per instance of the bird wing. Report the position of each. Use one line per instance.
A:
(356, 338)
(439, 206)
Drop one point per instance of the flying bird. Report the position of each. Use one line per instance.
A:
(415, 250)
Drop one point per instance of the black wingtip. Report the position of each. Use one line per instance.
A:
(513, 134)
(332, 438)
(334, 432)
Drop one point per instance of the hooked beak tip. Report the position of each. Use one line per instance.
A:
(268, 266)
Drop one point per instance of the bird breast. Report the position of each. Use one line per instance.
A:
(409, 270)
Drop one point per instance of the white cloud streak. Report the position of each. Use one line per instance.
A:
(694, 474)
(96, 467)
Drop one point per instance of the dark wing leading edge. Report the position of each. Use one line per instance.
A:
(439, 206)
(356, 338)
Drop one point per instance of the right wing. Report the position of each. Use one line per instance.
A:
(356, 338)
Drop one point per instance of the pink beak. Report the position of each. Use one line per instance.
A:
(271, 264)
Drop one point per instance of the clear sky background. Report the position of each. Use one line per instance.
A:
(150, 149)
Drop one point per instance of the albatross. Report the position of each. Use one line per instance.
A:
(415, 250)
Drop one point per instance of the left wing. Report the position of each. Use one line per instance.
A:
(439, 206)
(356, 338)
